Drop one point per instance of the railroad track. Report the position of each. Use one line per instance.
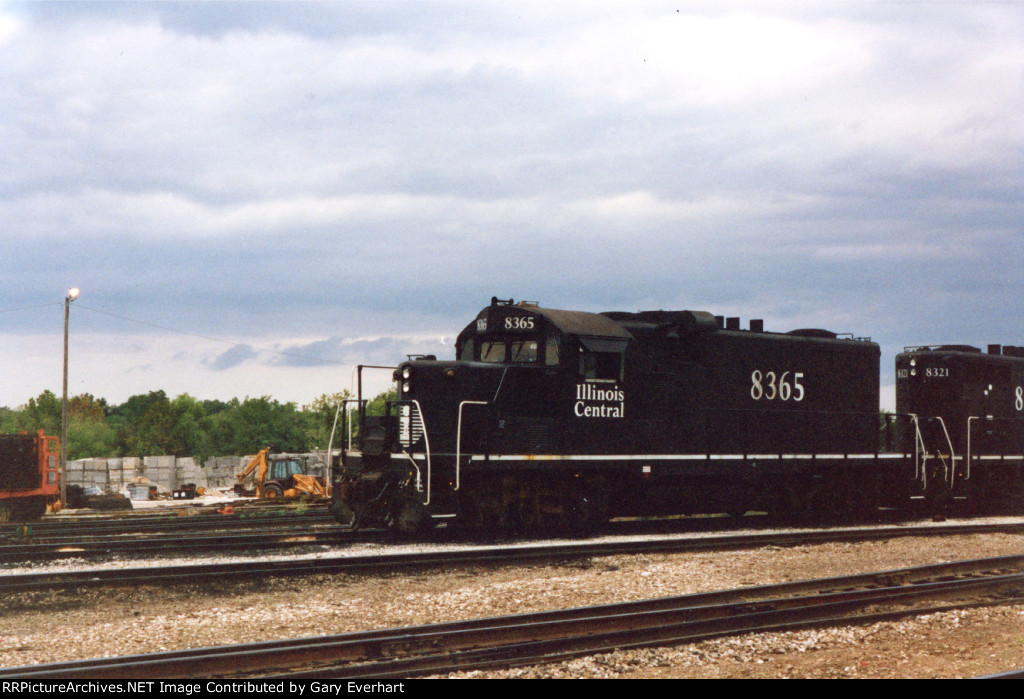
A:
(462, 556)
(285, 537)
(167, 521)
(159, 534)
(265, 528)
(545, 637)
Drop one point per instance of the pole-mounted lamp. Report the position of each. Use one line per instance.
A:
(72, 295)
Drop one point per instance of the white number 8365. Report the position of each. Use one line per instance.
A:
(769, 386)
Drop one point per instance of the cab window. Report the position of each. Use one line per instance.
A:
(601, 359)
(523, 351)
(517, 350)
(551, 351)
(492, 352)
(285, 468)
(600, 366)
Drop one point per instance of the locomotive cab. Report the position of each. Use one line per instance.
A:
(521, 373)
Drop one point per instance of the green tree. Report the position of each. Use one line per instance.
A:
(146, 424)
(377, 404)
(87, 406)
(190, 431)
(254, 423)
(321, 413)
(91, 438)
(41, 413)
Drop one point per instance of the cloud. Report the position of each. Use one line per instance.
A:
(239, 354)
(338, 182)
(386, 351)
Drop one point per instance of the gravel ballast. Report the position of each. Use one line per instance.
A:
(62, 625)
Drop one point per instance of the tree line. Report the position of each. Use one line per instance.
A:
(154, 424)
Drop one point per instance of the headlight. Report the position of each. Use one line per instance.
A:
(407, 373)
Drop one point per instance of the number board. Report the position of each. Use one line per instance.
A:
(521, 323)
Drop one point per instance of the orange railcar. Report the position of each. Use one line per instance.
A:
(29, 475)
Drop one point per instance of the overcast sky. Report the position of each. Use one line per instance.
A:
(253, 197)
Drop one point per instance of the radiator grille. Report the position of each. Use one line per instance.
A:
(410, 425)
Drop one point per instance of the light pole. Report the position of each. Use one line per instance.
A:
(72, 295)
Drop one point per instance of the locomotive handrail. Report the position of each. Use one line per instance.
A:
(358, 371)
(988, 418)
(458, 438)
(969, 454)
(919, 471)
(358, 402)
(952, 453)
(921, 449)
(330, 442)
(500, 384)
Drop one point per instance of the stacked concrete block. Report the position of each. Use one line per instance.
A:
(75, 469)
(131, 468)
(94, 472)
(191, 472)
(161, 471)
(166, 472)
(222, 471)
(116, 475)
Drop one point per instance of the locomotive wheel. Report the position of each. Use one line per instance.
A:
(588, 509)
(345, 515)
(808, 501)
(410, 517)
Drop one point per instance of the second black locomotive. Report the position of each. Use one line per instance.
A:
(963, 413)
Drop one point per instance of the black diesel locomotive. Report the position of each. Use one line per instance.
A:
(554, 417)
(965, 425)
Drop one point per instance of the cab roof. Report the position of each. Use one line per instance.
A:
(579, 323)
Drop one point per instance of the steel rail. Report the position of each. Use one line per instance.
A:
(140, 523)
(284, 537)
(1007, 675)
(495, 555)
(547, 636)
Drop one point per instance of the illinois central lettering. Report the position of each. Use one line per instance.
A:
(592, 401)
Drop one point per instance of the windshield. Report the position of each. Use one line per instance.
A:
(517, 350)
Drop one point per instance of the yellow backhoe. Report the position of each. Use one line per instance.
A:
(283, 476)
